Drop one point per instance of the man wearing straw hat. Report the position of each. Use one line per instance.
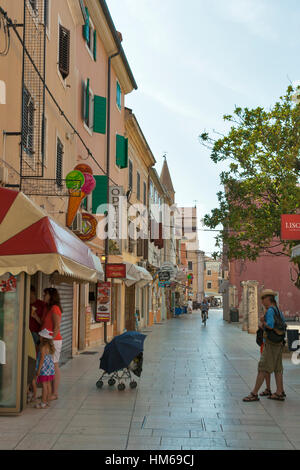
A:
(274, 326)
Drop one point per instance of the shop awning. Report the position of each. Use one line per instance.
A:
(30, 241)
(145, 277)
(136, 274)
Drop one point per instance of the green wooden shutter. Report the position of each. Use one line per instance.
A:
(86, 27)
(95, 45)
(121, 152)
(87, 101)
(119, 96)
(100, 114)
(83, 96)
(99, 194)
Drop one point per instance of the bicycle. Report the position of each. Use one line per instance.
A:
(204, 317)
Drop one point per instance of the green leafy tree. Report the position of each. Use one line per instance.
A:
(260, 183)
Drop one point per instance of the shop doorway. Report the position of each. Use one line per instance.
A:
(130, 308)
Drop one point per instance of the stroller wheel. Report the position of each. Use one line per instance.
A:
(99, 384)
(133, 384)
(111, 382)
(121, 387)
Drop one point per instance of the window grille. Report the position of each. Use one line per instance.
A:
(59, 162)
(28, 123)
(64, 51)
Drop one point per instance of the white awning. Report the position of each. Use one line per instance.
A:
(136, 274)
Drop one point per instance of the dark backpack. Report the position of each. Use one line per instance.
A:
(259, 336)
(277, 335)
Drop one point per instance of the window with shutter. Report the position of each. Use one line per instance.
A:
(100, 114)
(28, 123)
(59, 161)
(145, 194)
(90, 34)
(119, 96)
(121, 152)
(88, 102)
(146, 249)
(99, 195)
(64, 51)
(138, 186)
(140, 247)
(95, 45)
(130, 175)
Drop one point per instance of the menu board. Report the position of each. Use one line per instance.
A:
(103, 313)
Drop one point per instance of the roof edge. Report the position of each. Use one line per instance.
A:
(113, 30)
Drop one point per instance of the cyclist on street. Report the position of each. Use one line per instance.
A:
(204, 310)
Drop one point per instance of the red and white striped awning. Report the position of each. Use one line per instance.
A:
(30, 241)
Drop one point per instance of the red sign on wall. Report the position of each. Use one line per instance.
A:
(103, 302)
(290, 227)
(116, 271)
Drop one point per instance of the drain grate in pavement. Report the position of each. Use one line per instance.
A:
(89, 353)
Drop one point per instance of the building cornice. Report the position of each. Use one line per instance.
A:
(74, 6)
(109, 36)
(138, 139)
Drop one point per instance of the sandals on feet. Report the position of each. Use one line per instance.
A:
(41, 406)
(251, 397)
(277, 397)
(266, 393)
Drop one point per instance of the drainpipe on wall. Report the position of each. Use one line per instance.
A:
(108, 166)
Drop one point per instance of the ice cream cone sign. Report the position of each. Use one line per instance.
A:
(76, 180)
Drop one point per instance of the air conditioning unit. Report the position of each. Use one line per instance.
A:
(77, 223)
(3, 175)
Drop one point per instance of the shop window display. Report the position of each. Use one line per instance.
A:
(9, 333)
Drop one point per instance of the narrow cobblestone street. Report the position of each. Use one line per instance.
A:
(189, 397)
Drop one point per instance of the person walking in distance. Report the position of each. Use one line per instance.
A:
(52, 321)
(271, 359)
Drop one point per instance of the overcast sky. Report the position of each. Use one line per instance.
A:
(193, 61)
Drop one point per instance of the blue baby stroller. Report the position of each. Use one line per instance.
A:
(122, 357)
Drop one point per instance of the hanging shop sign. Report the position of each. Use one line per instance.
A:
(164, 275)
(79, 181)
(116, 271)
(290, 227)
(103, 313)
(116, 193)
(164, 284)
(8, 283)
(89, 227)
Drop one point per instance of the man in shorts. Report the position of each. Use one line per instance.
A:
(271, 358)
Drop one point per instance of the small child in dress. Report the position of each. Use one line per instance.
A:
(45, 367)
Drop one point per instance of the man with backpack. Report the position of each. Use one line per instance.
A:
(274, 339)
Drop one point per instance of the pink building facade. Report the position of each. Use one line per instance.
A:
(271, 272)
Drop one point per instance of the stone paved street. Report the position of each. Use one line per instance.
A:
(189, 397)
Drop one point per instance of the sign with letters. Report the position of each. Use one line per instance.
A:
(103, 313)
(290, 227)
(116, 271)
